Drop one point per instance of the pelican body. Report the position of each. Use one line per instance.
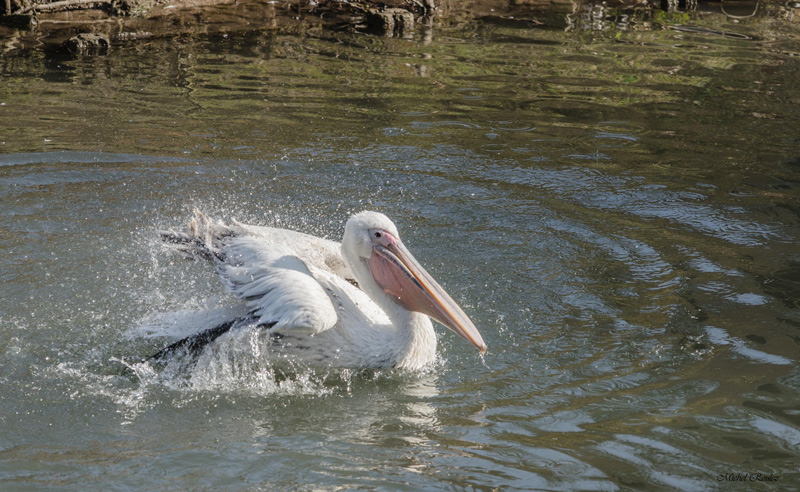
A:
(363, 303)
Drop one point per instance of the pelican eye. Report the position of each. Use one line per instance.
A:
(378, 235)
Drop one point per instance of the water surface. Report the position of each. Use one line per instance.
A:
(617, 210)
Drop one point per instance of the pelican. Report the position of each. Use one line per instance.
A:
(363, 303)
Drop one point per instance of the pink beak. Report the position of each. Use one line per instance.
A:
(402, 277)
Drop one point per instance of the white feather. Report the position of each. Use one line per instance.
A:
(277, 285)
(315, 251)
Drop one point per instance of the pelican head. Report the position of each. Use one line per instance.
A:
(372, 248)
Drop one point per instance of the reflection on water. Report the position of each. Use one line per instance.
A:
(618, 214)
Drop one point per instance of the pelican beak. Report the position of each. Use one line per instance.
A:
(400, 275)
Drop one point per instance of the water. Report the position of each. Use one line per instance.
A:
(617, 210)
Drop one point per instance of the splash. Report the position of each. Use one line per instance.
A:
(237, 363)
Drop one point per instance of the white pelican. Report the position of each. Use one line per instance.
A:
(364, 303)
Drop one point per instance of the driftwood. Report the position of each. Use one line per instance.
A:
(63, 4)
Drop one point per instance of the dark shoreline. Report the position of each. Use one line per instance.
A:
(84, 26)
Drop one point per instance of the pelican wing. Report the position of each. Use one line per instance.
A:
(314, 251)
(269, 268)
(278, 285)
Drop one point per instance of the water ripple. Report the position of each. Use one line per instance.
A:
(65, 156)
(721, 337)
(630, 195)
(437, 124)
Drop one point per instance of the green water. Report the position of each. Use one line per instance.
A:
(616, 208)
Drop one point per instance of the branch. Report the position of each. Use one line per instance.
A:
(58, 5)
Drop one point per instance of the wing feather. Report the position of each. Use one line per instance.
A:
(278, 286)
(275, 271)
(315, 251)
